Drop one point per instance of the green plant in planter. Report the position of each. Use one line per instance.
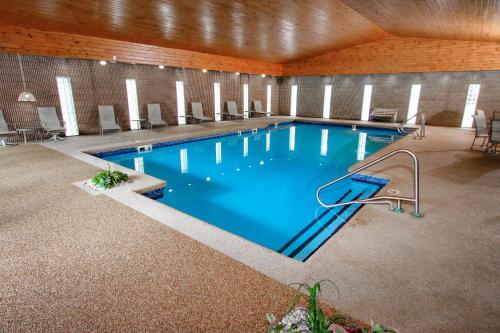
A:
(316, 320)
(107, 179)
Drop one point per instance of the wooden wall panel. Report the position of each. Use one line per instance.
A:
(37, 42)
(401, 55)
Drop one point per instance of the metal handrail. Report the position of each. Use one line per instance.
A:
(417, 116)
(382, 199)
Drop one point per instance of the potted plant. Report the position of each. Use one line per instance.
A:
(107, 179)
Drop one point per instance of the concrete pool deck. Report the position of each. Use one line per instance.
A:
(438, 273)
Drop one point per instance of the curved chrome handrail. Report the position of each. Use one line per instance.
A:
(383, 199)
(417, 116)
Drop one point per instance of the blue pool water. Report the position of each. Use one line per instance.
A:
(262, 186)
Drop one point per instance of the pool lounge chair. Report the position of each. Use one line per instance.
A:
(7, 130)
(50, 123)
(378, 113)
(197, 112)
(154, 116)
(107, 119)
(232, 110)
(257, 108)
(481, 128)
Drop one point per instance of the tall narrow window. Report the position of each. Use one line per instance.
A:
(133, 105)
(245, 100)
(268, 141)
(413, 104)
(217, 101)
(326, 101)
(181, 107)
(268, 104)
(324, 142)
(245, 146)
(184, 160)
(367, 98)
(293, 102)
(139, 164)
(67, 105)
(361, 146)
(470, 104)
(291, 139)
(218, 153)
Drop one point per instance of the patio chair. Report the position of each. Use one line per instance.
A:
(494, 137)
(480, 127)
(378, 113)
(197, 111)
(154, 116)
(7, 130)
(232, 110)
(107, 119)
(50, 123)
(257, 108)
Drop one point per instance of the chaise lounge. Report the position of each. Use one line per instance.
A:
(197, 112)
(154, 116)
(107, 119)
(7, 130)
(50, 123)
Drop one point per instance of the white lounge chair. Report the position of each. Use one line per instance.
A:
(50, 123)
(377, 113)
(7, 130)
(107, 119)
(232, 110)
(481, 128)
(257, 108)
(197, 111)
(154, 116)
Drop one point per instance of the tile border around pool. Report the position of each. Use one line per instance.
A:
(132, 149)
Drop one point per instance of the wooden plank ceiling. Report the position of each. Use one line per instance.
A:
(470, 20)
(277, 31)
(271, 31)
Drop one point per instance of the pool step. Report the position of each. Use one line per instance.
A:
(324, 226)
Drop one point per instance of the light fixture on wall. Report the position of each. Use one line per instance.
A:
(161, 67)
(204, 70)
(103, 62)
(263, 75)
(237, 73)
(25, 95)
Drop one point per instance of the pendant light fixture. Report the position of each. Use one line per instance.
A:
(24, 96)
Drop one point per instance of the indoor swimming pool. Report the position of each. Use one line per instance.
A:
(261, 185)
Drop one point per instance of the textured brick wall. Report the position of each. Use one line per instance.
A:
(442, 96)
(94, 84)
(401, 55)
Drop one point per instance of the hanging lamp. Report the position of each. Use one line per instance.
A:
(25, 95)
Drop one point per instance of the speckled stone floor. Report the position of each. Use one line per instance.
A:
(71, 262)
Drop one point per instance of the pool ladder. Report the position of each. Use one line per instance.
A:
(387, 200)
(417, 134)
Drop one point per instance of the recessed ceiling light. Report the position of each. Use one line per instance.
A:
(103, 62)
(204, 70)
(263, 75)
(237, 73)
(161, 66)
